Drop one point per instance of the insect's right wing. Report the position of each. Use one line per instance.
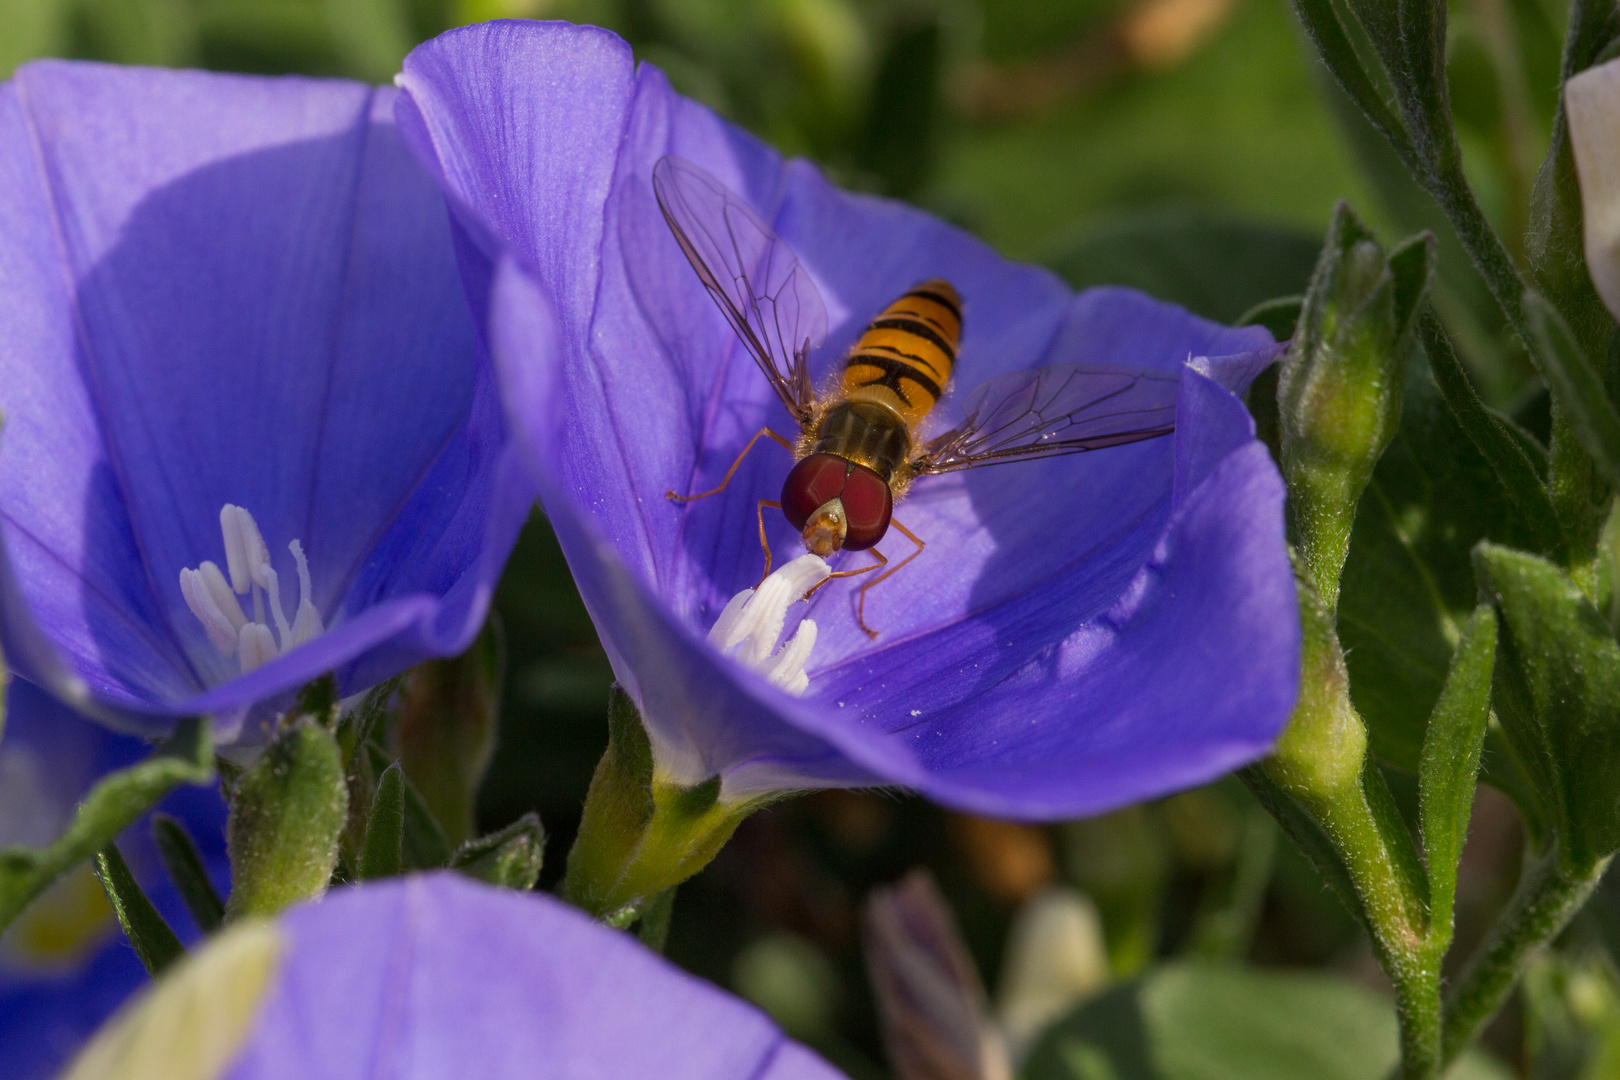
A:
(1062, 409)
(752, 274)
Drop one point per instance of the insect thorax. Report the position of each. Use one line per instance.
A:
(865, 433)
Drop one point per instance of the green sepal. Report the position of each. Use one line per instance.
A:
(185, 866)
(286, 819)
(511, 857)
(1339, 390)
(111, 807)
(446, 732)
(385, 829)
(639, 835)
(422, 845)
(1449, 769)
(1576, 385)
(1556, 691)
(154, 942)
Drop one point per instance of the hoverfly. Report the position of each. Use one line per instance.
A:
(858, 448)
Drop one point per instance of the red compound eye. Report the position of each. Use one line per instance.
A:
(817, 479)
(868, 504)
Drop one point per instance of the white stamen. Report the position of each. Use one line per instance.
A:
(307, 622)
(220, 590)
(212, 599)
(255, 646)
(751, 624)
(244, 547)
(272, 585)
(220, 631)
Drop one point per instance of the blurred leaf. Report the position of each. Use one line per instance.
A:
(380, 853)
(1408, 584)
(158, 32)
(448, 712)
(372, 36)
(423, 845)
(110, 808)
(1450, 764)
(1205, 1022)
(33, 28)
(1557, 692)
(186, 869)
(1214, 266)
(154, 942)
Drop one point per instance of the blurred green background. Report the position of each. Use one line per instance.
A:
(1187, 147)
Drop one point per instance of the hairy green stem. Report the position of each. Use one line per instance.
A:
(1546, 900)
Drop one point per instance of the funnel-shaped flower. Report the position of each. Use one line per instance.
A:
(1080, 631)
(437, 977)
(248, 437)
(64, 964)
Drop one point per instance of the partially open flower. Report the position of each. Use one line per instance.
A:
(1080, 631)
(248, 436)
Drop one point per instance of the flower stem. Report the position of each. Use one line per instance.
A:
(1546, 900)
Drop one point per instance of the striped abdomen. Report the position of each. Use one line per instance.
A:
(904, 358)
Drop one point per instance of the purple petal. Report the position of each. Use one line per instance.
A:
(439, 976)
(234, 290)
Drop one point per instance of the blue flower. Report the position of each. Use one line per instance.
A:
(248, 435)
(437, 976)
(64, 964)
(1080, 633)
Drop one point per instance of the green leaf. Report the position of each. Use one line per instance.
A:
(286, 818)
(653, 929)
(1450, 763)
(1333, 45)
(186, 870)
(111, 807)
(1190, 1021)
(1557, 692)
(1214, 266)
(1493, 436)
(380, 854)
(511, 858)
(1577, 388)
(152, 938)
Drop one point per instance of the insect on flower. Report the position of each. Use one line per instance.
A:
(858, 448)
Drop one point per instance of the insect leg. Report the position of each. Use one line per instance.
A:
(764, 543)
(733, 470)
(881, 562)
(895, 569)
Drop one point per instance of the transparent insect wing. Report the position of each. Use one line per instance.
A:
(752, 274)
(1062, 409)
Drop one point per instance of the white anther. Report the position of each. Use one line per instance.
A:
(194, 587)
(307, 621)
(272, 585)
(245, 552)
(213, 599)
(255, 646)
(751, 624)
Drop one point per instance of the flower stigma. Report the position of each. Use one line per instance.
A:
(213, 599)
(750, 626)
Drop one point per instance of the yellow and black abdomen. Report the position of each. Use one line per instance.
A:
(904, 358)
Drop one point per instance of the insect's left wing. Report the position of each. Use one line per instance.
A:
(752, 274)
(1063, 409)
